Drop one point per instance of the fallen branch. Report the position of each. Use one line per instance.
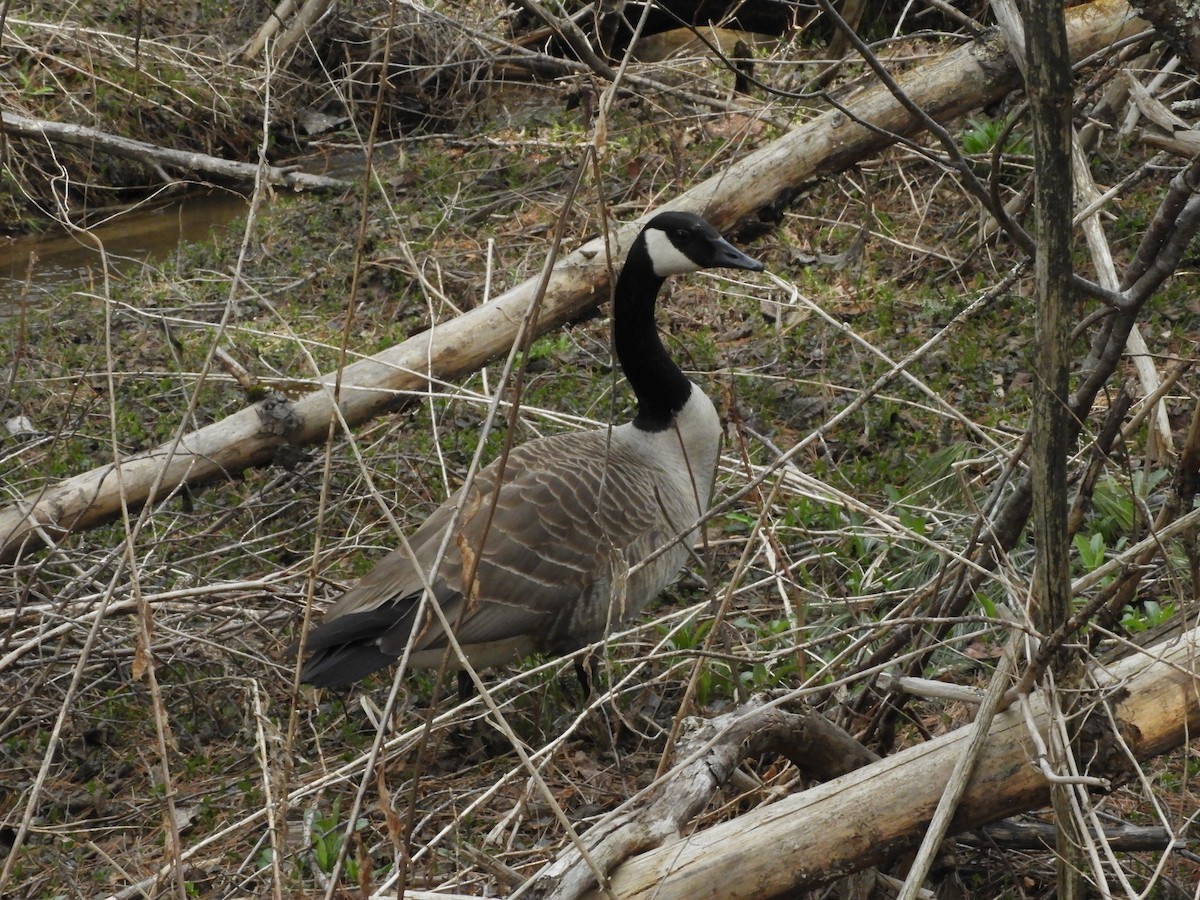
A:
(296, 28)
(956, 83)
(708, 757)
(156, 157)
(875, 812)
(1011, 835)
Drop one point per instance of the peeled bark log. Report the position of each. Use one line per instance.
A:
(958, 82)
(880, 810)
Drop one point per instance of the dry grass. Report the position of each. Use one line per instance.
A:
(151, 740)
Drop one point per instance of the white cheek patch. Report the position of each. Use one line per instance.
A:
(666, 258)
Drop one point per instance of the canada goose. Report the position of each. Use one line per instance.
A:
(574, 511)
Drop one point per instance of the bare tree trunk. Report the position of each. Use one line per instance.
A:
(1050, 89)
(960, 81)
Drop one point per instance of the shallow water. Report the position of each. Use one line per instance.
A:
(34, 265)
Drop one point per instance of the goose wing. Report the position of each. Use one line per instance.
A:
(572, 514)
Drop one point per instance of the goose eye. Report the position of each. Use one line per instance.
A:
(683, 235)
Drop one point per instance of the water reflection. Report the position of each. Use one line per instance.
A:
(55, 259)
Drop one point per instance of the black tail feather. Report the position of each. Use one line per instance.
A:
(344, 664)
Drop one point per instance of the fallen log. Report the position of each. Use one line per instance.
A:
(152, 155)
(708, 757)
(962, 80)
(880, 810)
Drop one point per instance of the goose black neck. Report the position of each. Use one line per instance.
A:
(660, 387)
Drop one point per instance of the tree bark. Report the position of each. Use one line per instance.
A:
(1177, 22)
(880, 810)
(1050, 89)
(958, 82)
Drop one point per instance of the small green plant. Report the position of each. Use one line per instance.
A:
(327, 836)
(1091, 550)
(1146, 615)
(716, 678)
(910, 517)
(980, 136)
(689, 637)
(768, 638)
(979, 140)
(987, 604)
(1114, 501)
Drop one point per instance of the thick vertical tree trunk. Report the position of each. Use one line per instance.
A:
(1050, 88)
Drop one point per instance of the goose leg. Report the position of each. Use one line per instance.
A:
(466, 687)
(587, 675)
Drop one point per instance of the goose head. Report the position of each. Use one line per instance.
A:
(671, 243)
(676, 243)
